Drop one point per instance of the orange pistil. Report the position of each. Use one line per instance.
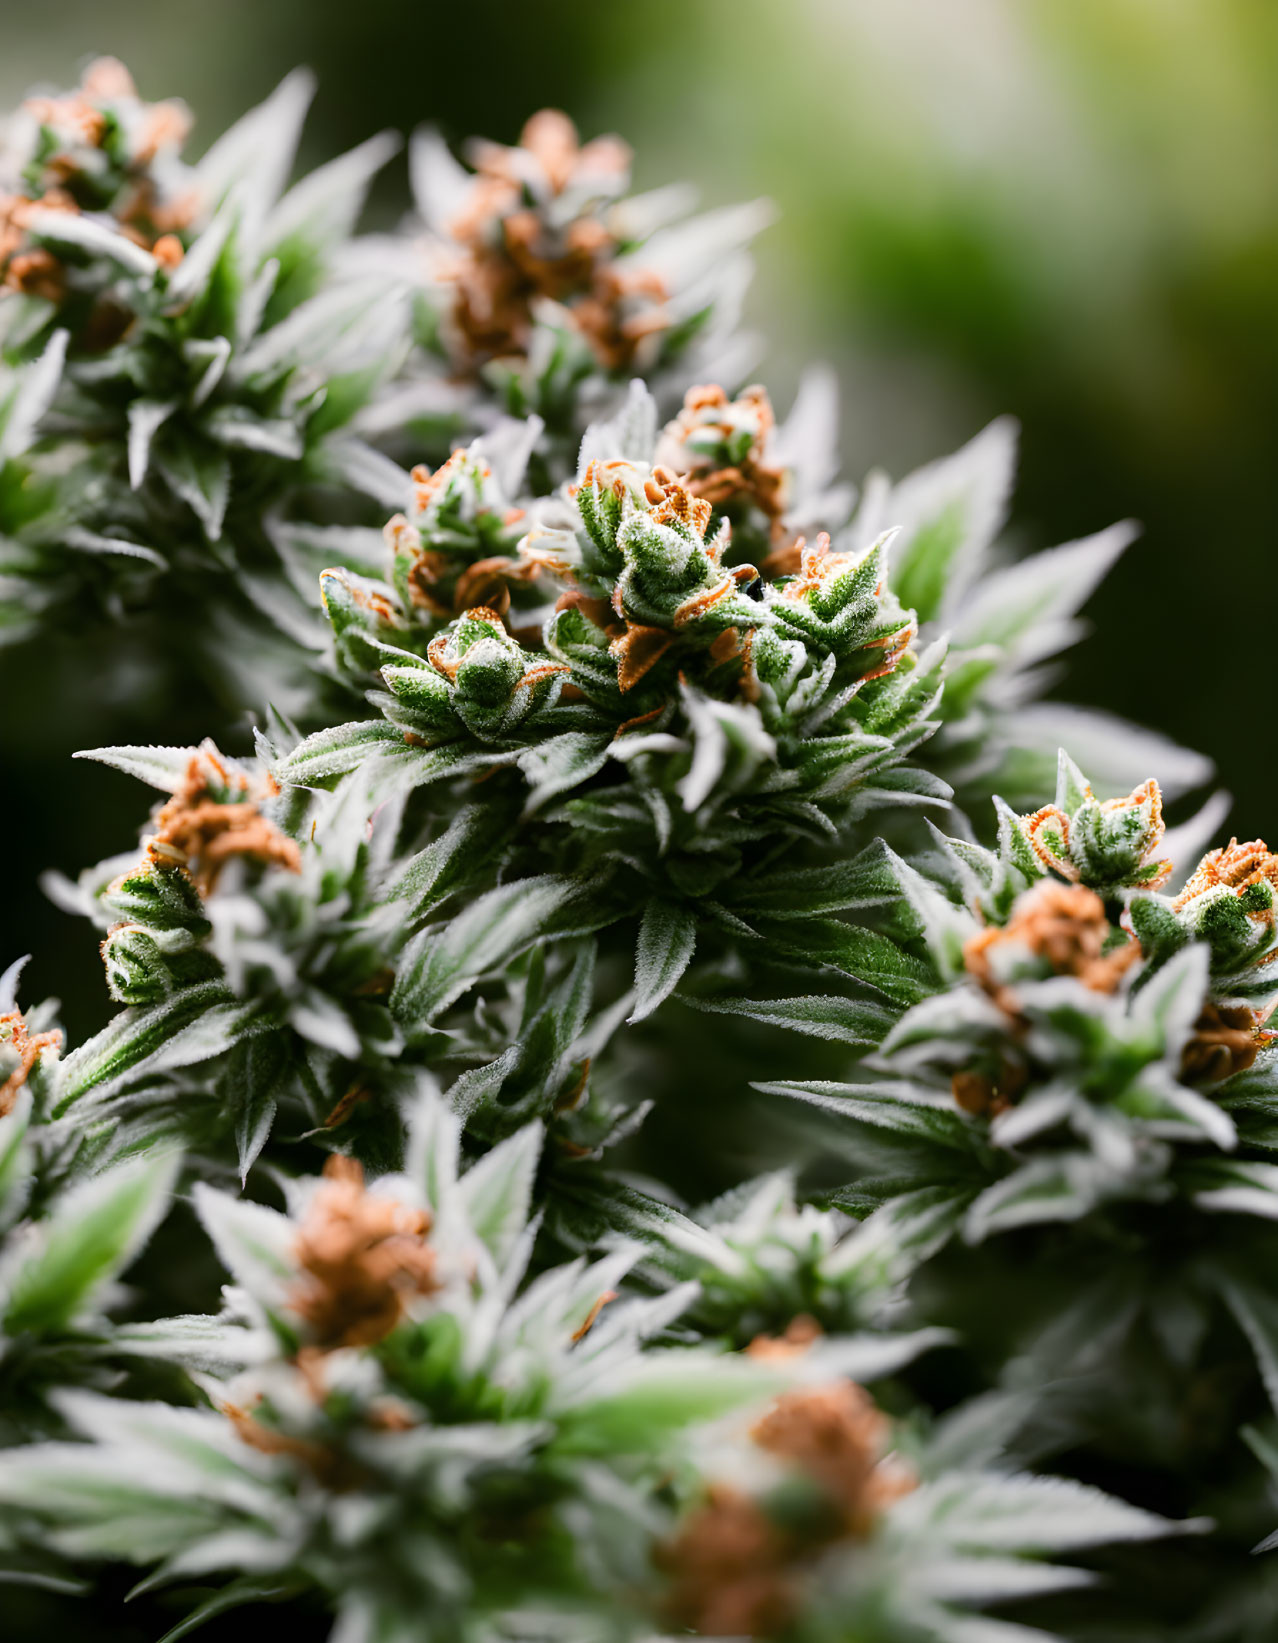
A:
(428, 485)
(730, 1569)
(328, 1467)
(838, 1436)
(487, 582)
(376, 604)
(78, 116)
(1226, 1039)
(816, 570)
(735, 1572)
(28, 1047)
(427, 568)
(1237, 867)
(619, 311)
(448, 663)
(1063, 924)
(168, 251)
(69, 180)
(1054, 858)
(510, 254)
(894, 647)
(814, 565)
(800, 1333)
(752, 479)
(675, 502)
(984, 1095)
(727, 647)
(438, 581)
(691, 610)
(592, 1317)
(574, 1095)
(818, 567)
(363, 1258)
(346, 1104)
(36, 274)
(550, 138)
(598, 611)
(202, 834)
(1052, 820)
(638, 649)
(391, 1415)
(541, 671)
(267, 1440)
(166, 125)
(34, 271)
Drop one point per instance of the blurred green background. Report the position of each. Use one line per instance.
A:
(1066, 209)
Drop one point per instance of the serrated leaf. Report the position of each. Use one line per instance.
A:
(441, 964)
(84, 541)
(846, 1020)
(25, 409)
(595, 1213)
(478, 1087)
(204, 1342)
(1062, 1188)
(497, 1191)
(91, 1235)
(945, 927)
(256, 153)
(14, 1158)
(1233, 1186)
(434, 1140)
(239, 429)
(162, 767)
(152, 1037)
(809, 892)
(723, 734)
(113, 1513)
(922, 1221)
(450, 860)
(630, 435)
(1027, 609)
(253, 1087)
(94, 235)
(862, 1104)
(561, 763)
(667, 938)
(254, 1243)
(659, 1396)
(865, 955)
(193, 276)
(326, 754)
(321, 210)
(146, 418)
(246, 1589)
(1039, 1515)
(199, 474)
(1170, 1001)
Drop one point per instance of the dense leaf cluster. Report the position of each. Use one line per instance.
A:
(597, 726)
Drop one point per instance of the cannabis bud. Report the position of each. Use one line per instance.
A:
(591, 725)
(1104, 845)
(94, 171)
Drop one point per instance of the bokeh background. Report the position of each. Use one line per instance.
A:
(1066, 209)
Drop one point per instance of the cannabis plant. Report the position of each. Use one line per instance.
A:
(429, 1440)
(702, 1138)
